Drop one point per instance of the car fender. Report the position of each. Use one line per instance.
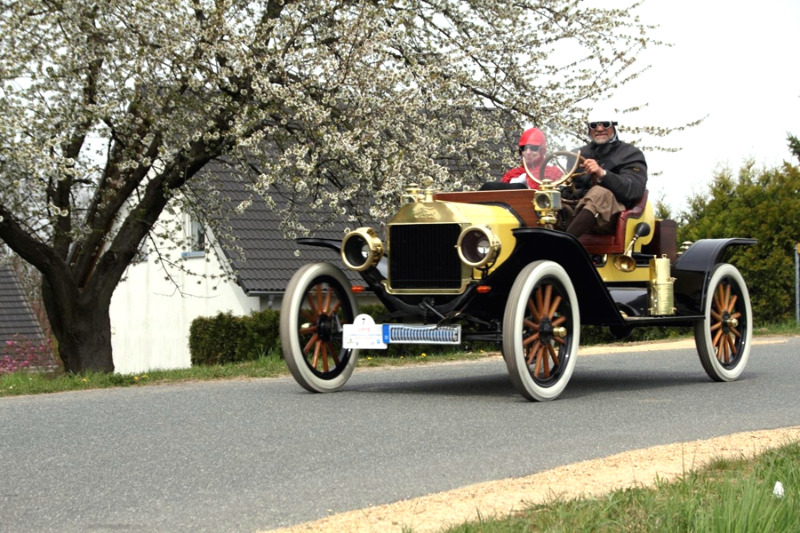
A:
(333, 244)
(372, 276)
(534, 244)
(692, 271)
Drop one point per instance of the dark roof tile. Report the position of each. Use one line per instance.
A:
(16, 316)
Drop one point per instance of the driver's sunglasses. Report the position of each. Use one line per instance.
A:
(531, 147)
(605, 123)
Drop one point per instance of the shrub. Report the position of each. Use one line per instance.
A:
(214, 340)
(21, 354)
(261, 335)
(226, 338)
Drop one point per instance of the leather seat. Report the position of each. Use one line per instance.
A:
(614, 243)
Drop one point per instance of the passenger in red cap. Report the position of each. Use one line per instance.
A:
(532, 149)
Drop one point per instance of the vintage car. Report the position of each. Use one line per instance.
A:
(456, 267)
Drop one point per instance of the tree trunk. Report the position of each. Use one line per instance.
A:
(82, 328)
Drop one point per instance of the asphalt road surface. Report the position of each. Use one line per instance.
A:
(253, 455)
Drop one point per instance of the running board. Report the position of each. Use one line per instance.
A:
(669, 320)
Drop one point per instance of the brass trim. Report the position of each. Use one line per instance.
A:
(466, 279)
(431, 292)
(493, 242)
(547, 203)
(374, 245)
(661, 289)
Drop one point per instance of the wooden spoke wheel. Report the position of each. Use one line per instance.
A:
(317, 303)
(723, 338)
(541, 331)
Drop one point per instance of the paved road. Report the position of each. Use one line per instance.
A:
(252, 455)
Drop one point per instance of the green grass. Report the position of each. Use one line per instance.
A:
(272, 365)
(269, 365)
(789, 327)
(726, 496)
(20, 383)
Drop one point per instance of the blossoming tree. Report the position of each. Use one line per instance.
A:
(110, 109)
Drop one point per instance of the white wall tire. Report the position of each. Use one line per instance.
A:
(724, 337)
(317, 302)
(540, 358)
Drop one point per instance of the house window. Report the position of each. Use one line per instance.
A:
(198, 236)
(197, 239)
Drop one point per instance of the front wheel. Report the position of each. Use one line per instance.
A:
(541, 331)
(723, 338)
(317, 303)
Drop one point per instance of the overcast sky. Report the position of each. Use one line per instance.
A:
(736, 65)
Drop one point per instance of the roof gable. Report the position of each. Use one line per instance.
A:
(16, 316)
(270, 259)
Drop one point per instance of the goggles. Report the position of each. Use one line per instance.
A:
(605, 123)
(531, 147)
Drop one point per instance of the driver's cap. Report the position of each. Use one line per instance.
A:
(603, 114)
(533, 136)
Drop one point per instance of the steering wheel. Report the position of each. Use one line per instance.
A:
(568, 173)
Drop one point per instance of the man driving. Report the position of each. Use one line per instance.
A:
(615, 178)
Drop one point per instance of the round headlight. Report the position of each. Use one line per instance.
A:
(361, 249)
(478, 246)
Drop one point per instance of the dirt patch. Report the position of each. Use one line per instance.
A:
(599, 476)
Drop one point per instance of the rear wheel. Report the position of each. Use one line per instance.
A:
(541, 331)
(317, 302)
(723, 338)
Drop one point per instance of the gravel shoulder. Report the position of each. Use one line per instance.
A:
(637, 468)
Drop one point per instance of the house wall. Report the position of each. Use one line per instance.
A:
(151, 316)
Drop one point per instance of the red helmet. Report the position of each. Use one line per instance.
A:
(533, 136)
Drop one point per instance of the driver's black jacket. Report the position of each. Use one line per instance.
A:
(626, 171)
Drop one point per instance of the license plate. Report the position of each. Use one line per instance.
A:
(365, 334)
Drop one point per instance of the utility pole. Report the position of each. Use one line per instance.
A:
(797, 283)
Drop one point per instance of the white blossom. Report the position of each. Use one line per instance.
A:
(111, 108)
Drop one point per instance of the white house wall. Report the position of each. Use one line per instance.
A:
(150, 316)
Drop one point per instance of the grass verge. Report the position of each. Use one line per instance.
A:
(269, 365)
(725, 496)
(272, 365)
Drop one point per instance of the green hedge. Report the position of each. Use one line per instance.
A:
(261, 335)
(226, 338)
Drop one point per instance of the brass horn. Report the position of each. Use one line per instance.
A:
(626, 262)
